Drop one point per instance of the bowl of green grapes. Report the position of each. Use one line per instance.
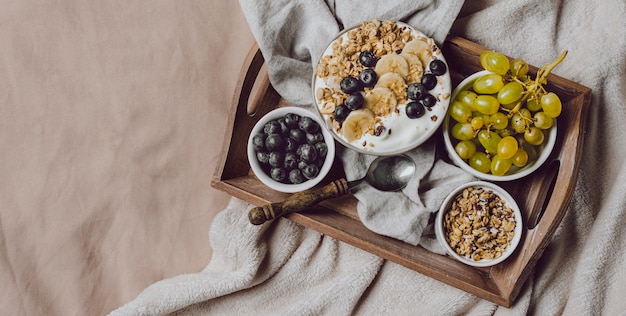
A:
(501, 123)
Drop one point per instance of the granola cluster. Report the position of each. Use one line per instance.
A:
(379, 37)
(479, 224)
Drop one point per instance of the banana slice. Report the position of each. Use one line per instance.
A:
(416, 68)
(419, 48)
(357, 124)
(381, 101)
(392, 63)
(394, 82)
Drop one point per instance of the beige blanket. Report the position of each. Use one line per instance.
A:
(110, 118)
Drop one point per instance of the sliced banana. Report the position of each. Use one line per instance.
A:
(381, 101)
(419, 48)
(357, 124)
(416, 68)
(392, 63)
(394, 82)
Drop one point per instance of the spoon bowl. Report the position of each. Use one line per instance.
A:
(390, 173)
(385, 173)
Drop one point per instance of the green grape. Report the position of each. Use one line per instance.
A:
(551, 104)
(510, 93)
(506, 132)
(481, 162)
(520, 158)
(465, 149)
(462, 131)
(518, 123)
(518, 67)
(484, 117)
(533, 105)
(483, 58)
(499, 166)
(499, 120)
(488, 84)
(489, 140)
(534, 136)
(486, 104)
(530, 150)
(495, 62)
(509, 106)
(477, 122)
(543, 120)
(459, 112)
(467, 98)
(507, 147)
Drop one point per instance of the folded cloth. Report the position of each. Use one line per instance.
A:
(405, 215)
(293, 34)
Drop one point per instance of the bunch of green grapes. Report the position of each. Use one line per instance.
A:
(501, 120)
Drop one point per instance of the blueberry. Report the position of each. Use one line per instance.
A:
(429, 81)
(274, 142)
(350, 85)
(302, 164)
(355, 101)
(263, 157)
(368, 77)
(368, 59)
(310, 171)
(341, 112)
(291, 145)
(278, 174)
(414, 110)
(428, 100)
(322, 150)
(307, 152)
(284, 129)
(276, 159)
(291, 119)
(415, 91)
(298, 135)
(308, 125)
(258, 142)
(291, 161)
(296, 177)
(314, 138)
(272, 127)
(437, 67)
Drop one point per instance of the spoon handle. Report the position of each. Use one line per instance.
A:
(297, 202)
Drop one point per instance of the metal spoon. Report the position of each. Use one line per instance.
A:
(388, 173)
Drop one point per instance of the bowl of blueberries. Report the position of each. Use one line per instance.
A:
(290, 150)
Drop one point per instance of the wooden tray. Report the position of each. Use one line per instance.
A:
(543, 196)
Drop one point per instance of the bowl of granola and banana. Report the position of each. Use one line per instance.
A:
(479, 224)
(382, 87)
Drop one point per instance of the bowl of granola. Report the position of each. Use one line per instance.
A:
(382, 87)
(479, 224)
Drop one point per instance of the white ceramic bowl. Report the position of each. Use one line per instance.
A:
(401, 134)
(264, 176)
(510, 202)
(514, 173)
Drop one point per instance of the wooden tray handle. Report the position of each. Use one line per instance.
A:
(298, 201)
(544, 188)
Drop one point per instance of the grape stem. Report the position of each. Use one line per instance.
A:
(535, 88)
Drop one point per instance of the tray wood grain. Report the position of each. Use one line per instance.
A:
(543, 196)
